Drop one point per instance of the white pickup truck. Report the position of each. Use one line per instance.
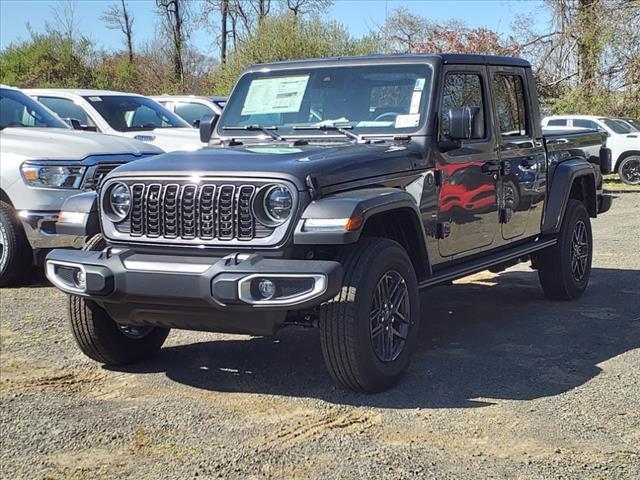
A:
(44, 162)
(622, 139)
(119, 113)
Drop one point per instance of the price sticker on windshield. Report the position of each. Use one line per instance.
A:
(275, 95)
(407, 121)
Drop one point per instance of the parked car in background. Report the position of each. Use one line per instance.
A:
(43, 163)
(192, 108)
(124, 114)
(622, 139)
(340, 188)
(633, 121)
(628, 123)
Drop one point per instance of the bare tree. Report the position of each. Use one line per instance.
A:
(117, 17)
(306, 7)
(64, 19)
(176, 16)
(403, 30)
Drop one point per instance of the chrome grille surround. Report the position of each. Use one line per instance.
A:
(203, 211)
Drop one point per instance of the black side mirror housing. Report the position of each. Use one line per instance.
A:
(196, 124)
(465, 123)
(207, 125)
(74, 123)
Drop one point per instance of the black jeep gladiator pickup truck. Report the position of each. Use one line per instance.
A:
(332, 192)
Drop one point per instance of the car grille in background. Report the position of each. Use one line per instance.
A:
(96, 175)
(193, 212)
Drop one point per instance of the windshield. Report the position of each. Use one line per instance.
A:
(617, 126)
(128, 113)
(371, 99)
(20, 110)
(628, 124)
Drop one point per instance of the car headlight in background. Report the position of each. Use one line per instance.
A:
(118, 201)
(277, 203)
(52, 176)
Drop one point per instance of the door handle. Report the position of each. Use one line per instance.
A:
(489, 168)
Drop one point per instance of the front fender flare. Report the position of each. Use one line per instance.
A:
(366, 203)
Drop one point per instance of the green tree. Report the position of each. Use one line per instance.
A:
(47, 60)
(286, 38)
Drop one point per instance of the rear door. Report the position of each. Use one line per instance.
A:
(469, 171)
(521, 153)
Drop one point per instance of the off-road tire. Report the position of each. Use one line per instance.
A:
(344, 324)
(102, 339)
(16, 255)
(555, 263)
(624, 168)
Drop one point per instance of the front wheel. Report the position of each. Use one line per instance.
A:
(15, 251)
(629, 170)
(368, 332)
(564, 269)
(102, 339)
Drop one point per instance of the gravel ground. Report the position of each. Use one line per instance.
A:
(506, 384)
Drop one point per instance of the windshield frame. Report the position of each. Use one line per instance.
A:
(52, 120)
(301, 68)
(180, 122)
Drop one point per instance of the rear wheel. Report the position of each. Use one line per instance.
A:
(102, 339)
(629, 170)
(564, 269)
(368, 332)
(15, 251)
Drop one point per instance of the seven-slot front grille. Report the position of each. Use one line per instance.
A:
(189, 211)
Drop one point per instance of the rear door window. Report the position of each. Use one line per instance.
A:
(511, 106)
(557, 122)
(582, 123)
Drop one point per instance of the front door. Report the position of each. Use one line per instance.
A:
(522, 155)
(468, 171)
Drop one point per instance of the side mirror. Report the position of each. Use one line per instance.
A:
(196, 124)
(465, 123)
(207, 125)
(74, 123)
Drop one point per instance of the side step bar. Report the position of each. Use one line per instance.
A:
(485, 262)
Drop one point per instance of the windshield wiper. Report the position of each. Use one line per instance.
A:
(343, 129)
(269, 130)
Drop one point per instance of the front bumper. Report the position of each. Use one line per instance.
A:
(195, 293)
(41, 230)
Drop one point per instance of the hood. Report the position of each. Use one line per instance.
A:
(330, 164)
(67, 144)
(170, 139)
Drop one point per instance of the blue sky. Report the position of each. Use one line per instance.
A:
(358, 15)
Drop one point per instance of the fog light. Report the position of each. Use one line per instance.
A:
(267, 289)
(80, 280)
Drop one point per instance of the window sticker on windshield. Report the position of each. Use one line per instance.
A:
(275, 95)
(415, 102)
(95, 99)
(406, 121)
(419, 86)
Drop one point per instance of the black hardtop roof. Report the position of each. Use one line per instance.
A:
(445, 58)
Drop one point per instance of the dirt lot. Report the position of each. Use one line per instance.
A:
(506, 385)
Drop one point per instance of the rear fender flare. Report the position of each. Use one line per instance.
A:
(564, 176)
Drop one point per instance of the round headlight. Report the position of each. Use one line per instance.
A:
(278, 203)
(119, 201)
